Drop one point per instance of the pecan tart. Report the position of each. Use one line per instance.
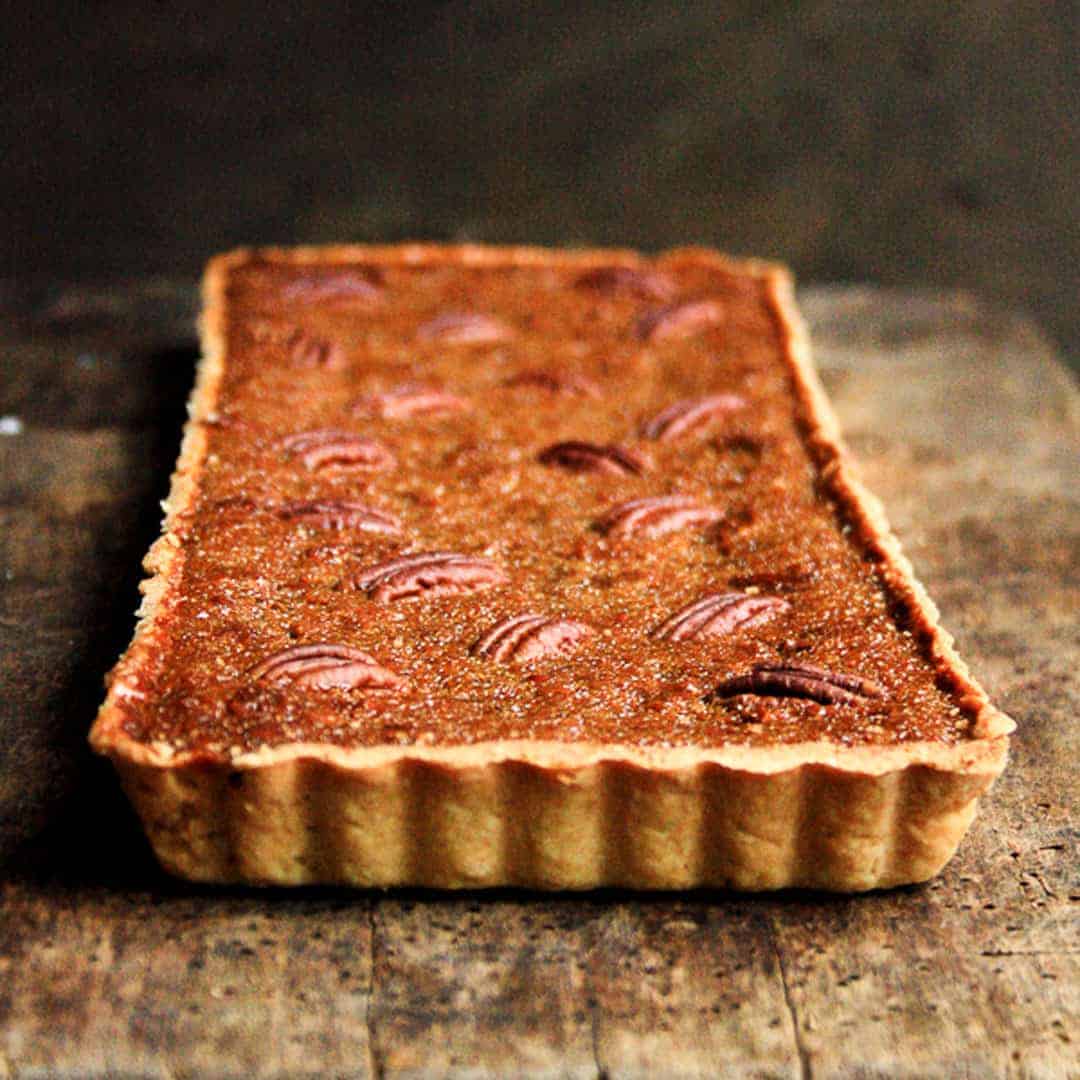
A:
(518, 567)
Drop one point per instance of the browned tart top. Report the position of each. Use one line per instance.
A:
(444, 503)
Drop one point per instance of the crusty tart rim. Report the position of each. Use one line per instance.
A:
(978, 758)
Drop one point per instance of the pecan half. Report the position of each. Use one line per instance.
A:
(464, 328)
(340, 515)
(611, 280)
(341, 286)
(326, 667)
(328, 446)
(433, 573)
(556, 383)
(718, 614)
(590, 457)
(403, 402)
(801, 681)
(307, 351)
(690, 413)
(679, 320)
(526, 637)
(657, 516)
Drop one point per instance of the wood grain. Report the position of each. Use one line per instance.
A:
(963, 422)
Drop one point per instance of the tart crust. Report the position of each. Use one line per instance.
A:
(547, 814)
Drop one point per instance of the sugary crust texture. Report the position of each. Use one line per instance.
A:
(544, 814)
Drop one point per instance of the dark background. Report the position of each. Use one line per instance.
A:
(911, 144)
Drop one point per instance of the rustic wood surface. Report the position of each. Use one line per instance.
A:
(963, 422)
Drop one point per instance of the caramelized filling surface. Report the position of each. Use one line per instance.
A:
(519, 503)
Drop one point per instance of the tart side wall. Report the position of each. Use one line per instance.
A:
(612, 823)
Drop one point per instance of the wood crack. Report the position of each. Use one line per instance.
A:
(375, 1063)
(594, 1029)
(1042, 884)
(806, 1071)
(592, 1001)
(1029, 952)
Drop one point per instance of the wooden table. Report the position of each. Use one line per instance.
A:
(967, 427)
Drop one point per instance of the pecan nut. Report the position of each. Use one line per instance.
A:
(464, 328)
(800, 681)
(530, 636)
(328, 446)
(404, 402)
(629, 280)
(554, 382)
(718, 614)
(308, 351)
(590, 457)
(657, 515)
(340, 515)
(335, 286)
(688, 414)
(326, 667)
(680, 320)
(433, 573)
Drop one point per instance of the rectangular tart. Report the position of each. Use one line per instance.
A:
(504, 566)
